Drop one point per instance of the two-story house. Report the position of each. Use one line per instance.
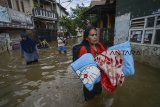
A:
(45, 19)
(61, 11)
(13, 21)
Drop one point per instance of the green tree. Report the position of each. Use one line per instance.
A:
(77, 19)
(68, 23)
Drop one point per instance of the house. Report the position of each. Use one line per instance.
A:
(38, 18)
(104, 11)
(131, 21)
(13, 21)
(139, 24)
(61, 11)
(45, 19)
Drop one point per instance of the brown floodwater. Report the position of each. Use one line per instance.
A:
(51, 83)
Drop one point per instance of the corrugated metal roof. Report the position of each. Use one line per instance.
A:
(97, 2)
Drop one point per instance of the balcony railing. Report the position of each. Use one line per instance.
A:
(44, 14)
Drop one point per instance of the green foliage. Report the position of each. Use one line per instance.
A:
(68, 23)
(77, 19)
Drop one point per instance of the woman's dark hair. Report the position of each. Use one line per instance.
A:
(86, 34)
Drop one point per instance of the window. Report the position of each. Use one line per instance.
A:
(17, 5)
(157, 37)
(9, 3)
(148, 36)
(22, 6)
(138, 23)
(145, 30)
(136, 36)
(150, 22)
(158, 22)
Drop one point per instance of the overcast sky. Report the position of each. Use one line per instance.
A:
(73, 3)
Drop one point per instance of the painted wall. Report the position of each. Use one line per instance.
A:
(4, 16)
(3, 2)
(121, 28)
(149, 55)
(28, 6)
(9, 38)
(47, 7)
(127, 10)
(60, 13)
(138, 8)
(5, 42)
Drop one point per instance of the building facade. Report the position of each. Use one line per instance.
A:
(45, 19)
(140, 24)
(37, 18)
(61, 11)
(104, 11)
(13, 21)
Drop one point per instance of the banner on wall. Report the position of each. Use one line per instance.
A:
(20, 17)
(4, 16)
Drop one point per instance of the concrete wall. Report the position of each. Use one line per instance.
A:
(149, 55)
(5, 42)
(121, 28)
(137, 8)
(3, 2)
(10, 38)
(28, 5)
(47, 7)
(127, 10)
(60, 12)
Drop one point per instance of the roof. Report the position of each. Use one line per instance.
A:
(97, 2)
(64, 9)
(101, 9)
(54, 1)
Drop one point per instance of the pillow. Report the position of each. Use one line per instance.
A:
(128, 66)
(86, 69)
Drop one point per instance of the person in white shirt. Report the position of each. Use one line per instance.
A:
(61, 42)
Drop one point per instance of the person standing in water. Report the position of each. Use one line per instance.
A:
(91, 40)
(61, 39)
(28, 49)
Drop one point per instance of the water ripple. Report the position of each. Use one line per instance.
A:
(47, 67)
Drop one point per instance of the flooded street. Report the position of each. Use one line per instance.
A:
(50, 83)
